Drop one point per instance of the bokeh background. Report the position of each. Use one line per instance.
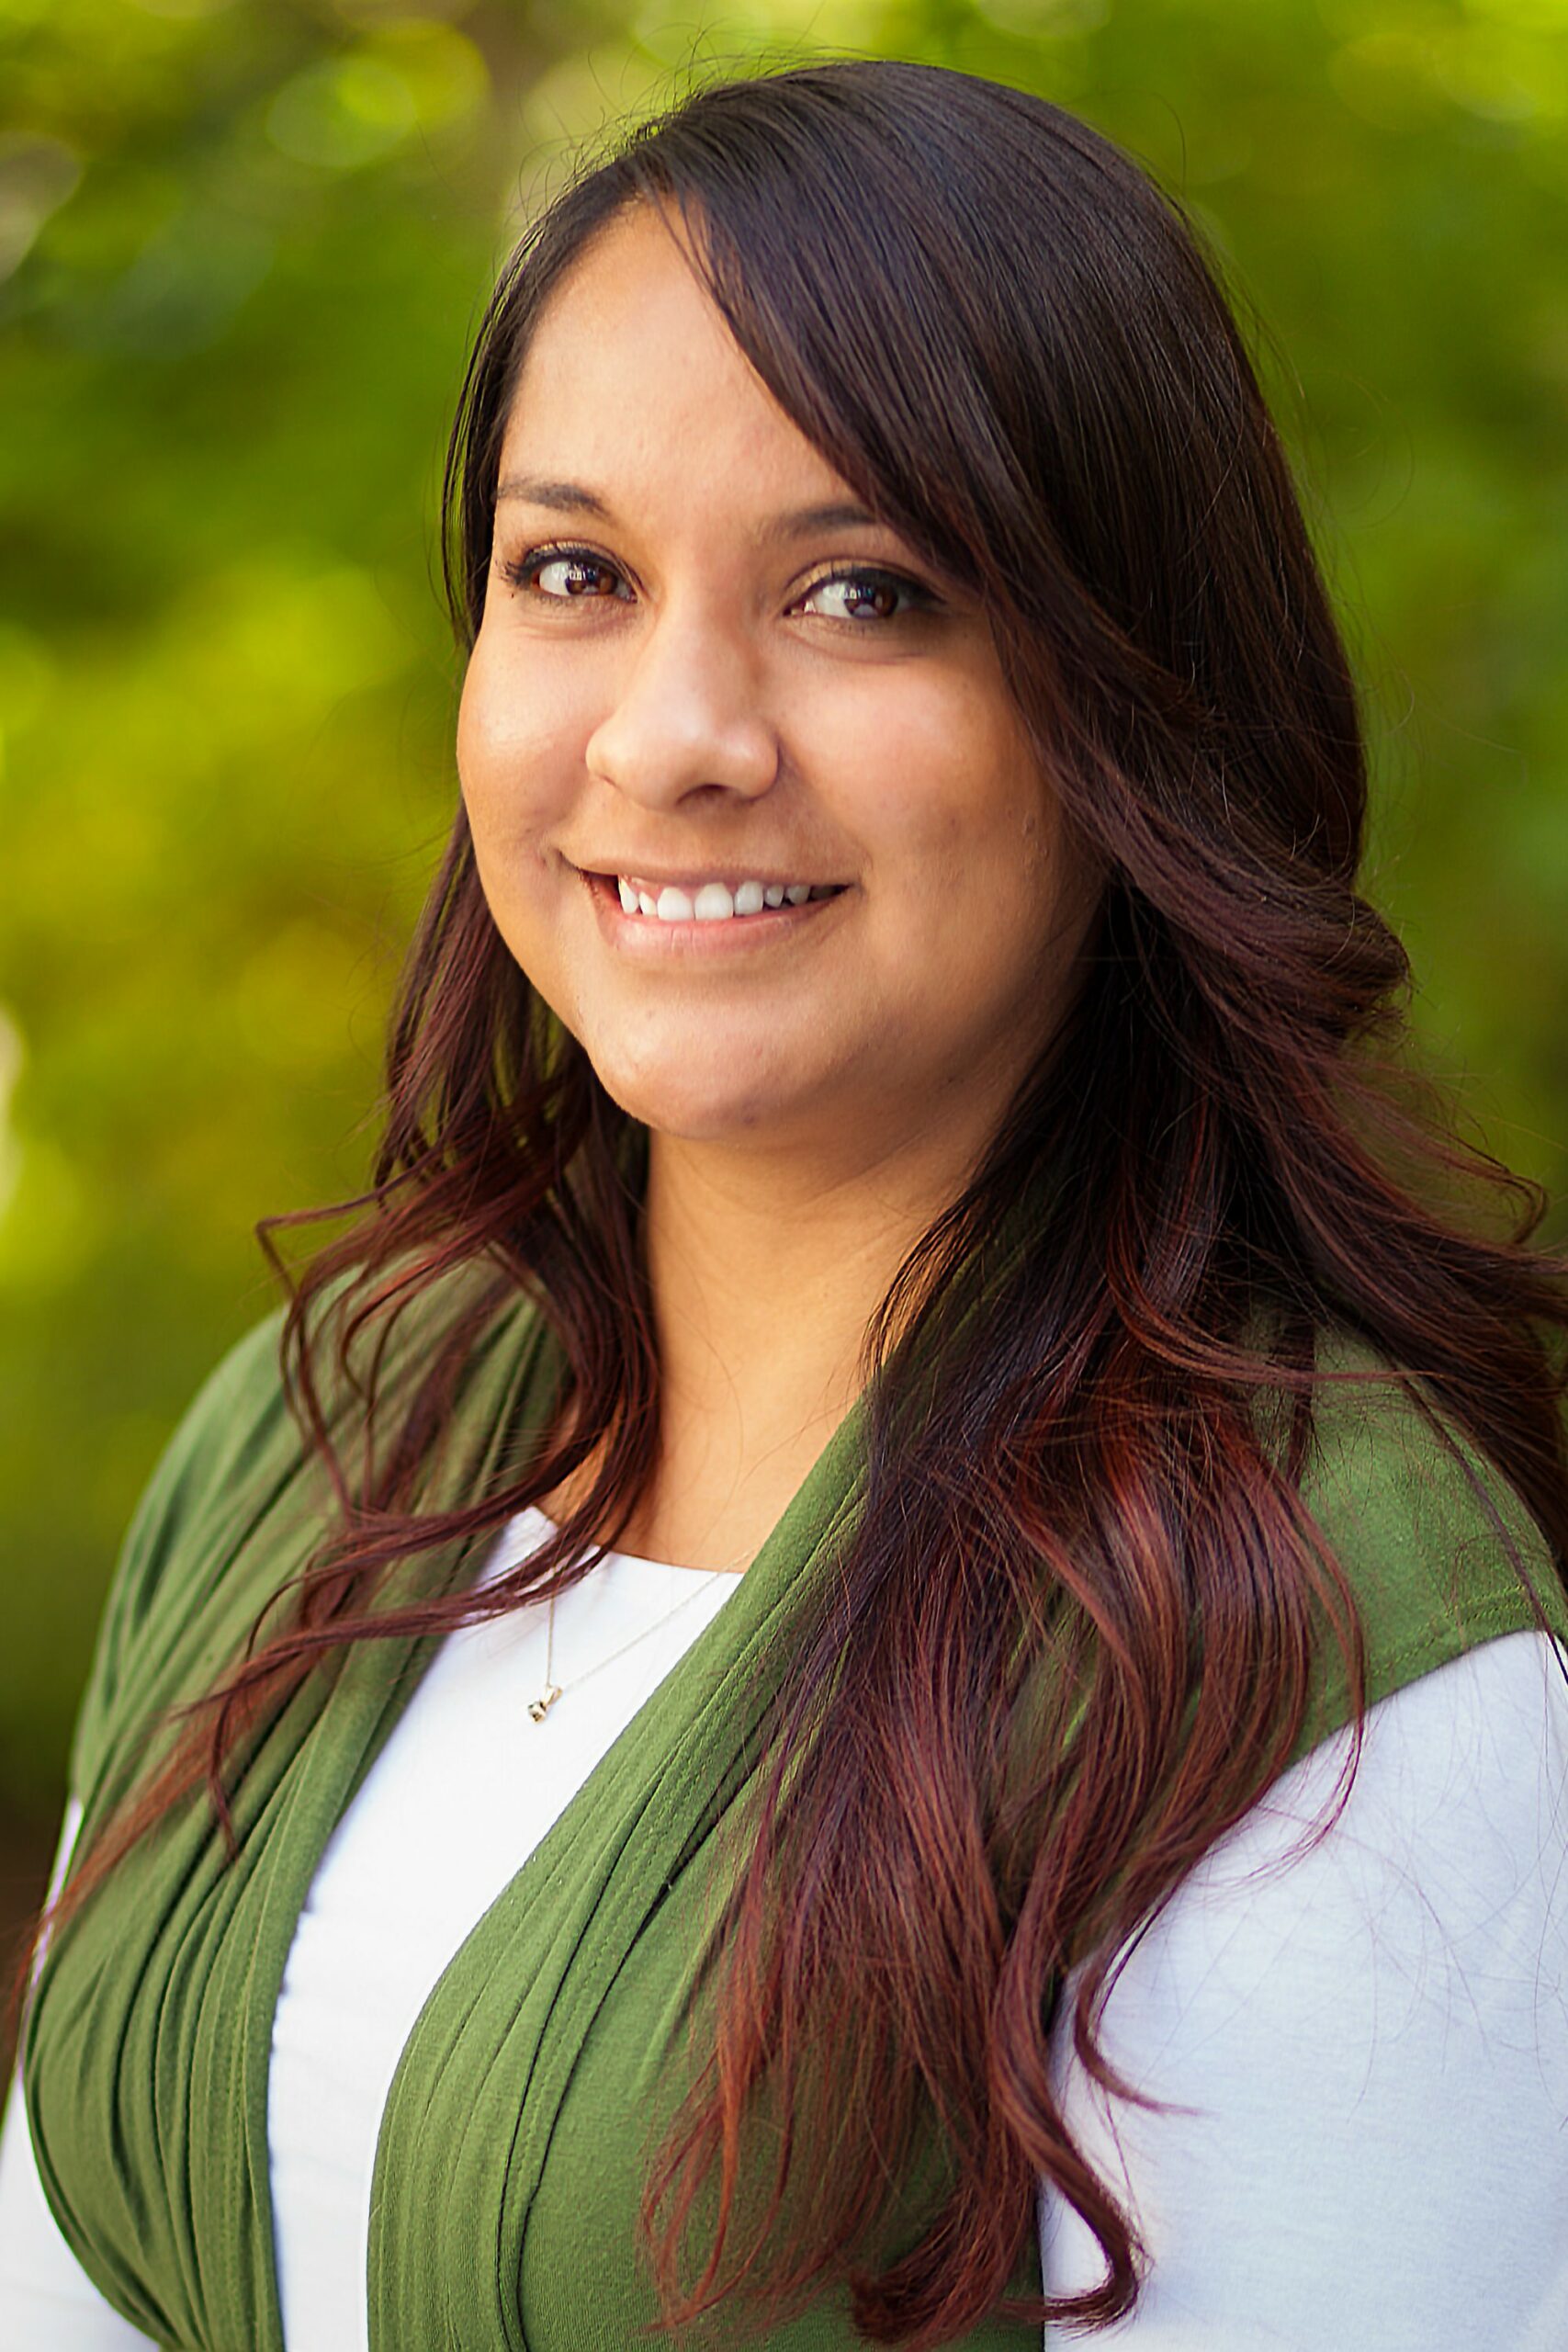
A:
(243, 247)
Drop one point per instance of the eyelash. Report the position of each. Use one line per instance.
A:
(519, 571)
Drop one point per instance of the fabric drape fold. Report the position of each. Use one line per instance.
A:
(512, 2151)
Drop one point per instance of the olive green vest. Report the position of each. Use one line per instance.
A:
(510, 2154)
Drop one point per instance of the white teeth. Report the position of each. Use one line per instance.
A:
(714, 901)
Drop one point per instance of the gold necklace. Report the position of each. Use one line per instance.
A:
(540, 1707)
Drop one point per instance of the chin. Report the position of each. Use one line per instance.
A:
(695, 1104)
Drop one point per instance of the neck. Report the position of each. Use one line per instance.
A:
(765, 1276)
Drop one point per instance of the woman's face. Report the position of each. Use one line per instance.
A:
(706, 683)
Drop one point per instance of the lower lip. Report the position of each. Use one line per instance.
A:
(642, 935)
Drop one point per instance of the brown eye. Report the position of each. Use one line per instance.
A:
(576, 575)
(862, 597)
(557, 575)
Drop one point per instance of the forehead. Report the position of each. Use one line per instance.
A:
(632, 373)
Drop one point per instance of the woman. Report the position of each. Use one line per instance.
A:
(772, 1740)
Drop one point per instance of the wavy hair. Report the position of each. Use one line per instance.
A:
(1007, 341)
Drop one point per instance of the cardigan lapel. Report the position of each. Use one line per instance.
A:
(474, 2106)
(149, 2038)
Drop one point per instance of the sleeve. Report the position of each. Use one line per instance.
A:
(1363, 2044)
(46, 2297)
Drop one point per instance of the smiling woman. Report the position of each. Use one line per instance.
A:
(739, 682)
(878, 1657)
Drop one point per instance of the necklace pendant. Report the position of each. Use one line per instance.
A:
(540, 1707)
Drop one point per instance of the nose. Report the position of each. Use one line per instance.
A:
(686, 719)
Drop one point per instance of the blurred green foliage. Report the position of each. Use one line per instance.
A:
(243, 248)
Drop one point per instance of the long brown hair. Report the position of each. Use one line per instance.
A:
(1005, 340)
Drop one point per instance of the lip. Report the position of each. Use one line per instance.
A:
(646, 936)
(691, 878)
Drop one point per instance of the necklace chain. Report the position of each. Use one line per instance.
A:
(540, 1707)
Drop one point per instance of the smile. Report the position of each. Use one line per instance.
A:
(714, 901)
(657, 917)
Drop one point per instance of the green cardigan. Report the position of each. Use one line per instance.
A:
(510, 2152)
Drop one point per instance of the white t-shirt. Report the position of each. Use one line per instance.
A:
(1370, 2040)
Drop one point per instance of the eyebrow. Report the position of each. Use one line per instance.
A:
(796, 522)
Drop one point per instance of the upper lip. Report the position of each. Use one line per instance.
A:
(691, 877)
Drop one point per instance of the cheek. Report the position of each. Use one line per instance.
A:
(972, 883)
(945, 794)
(512, 773)
(514, 748)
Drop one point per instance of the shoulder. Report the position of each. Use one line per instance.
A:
(238, 1499)
(1438, 1548)
(237, 1421)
